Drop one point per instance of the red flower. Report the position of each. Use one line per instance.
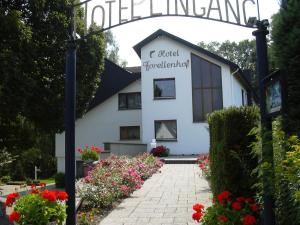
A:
(14, 216)
(11, 198)
(240, 199)
(236, 205)
(254, 207)
(223, 196)
(198, 207)
(61, 195)
(197, 216)
(34, 191)
(222, 218)
(248, 200)
(42, 184)
(249, 220)
(49, 195)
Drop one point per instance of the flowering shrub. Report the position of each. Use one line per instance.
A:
(203, 162)
(228, 211)
(115, 178)
(160, 151)
(38, 207)
(90, 153)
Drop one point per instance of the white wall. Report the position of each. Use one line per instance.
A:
(101, 124)
(192, 138)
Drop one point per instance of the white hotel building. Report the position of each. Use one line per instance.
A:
(166, 99)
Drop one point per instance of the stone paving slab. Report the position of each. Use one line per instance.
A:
(164, 199)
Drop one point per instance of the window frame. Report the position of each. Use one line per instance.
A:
(127, 94)
(130, 139)
(167, 139)
(166, 97)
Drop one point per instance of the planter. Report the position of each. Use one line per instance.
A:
(88, 165)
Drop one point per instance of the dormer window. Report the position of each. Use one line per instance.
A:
(130, 100)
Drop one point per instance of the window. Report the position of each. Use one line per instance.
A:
(165, 130)
(130, 100)
(130, 133)
(206, 88)
(164, 88)
(243, 98)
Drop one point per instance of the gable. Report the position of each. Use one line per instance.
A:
(236, 71)
(113, 79)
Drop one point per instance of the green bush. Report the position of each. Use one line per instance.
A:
(286, 180)
(60, 180)
(231, 159)
(5, 179)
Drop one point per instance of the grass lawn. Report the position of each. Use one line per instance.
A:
(47, 181)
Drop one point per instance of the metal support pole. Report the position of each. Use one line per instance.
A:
(266, 124)
(70, 103)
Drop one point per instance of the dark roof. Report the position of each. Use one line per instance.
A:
(134, 69)
(160, 33)
(113, 79)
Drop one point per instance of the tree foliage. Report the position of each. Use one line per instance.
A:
(33, 43)
(33, 48)
(242, 53)
(286, 50)
(112, 49)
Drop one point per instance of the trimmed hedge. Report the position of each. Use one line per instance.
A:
(231, 160)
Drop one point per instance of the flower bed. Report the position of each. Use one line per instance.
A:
(115, 178)
(229, 211)
(203, 162)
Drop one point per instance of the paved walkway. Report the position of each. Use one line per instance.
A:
(165, 199)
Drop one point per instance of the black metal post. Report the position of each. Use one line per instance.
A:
(70, 103)
(266, 124)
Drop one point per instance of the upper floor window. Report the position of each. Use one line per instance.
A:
(130, 100)
(164, 88)
(206, 88)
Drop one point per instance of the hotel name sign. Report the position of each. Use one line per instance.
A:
(112, 13)
(165, 59)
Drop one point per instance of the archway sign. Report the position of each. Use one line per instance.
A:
(112, 13)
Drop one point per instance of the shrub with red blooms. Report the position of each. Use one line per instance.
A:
(228, 211)
(160, 151)
(14, 216)
(11, 198)
(115, 178)
(38, 207)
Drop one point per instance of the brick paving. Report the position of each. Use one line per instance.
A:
(164, 199)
